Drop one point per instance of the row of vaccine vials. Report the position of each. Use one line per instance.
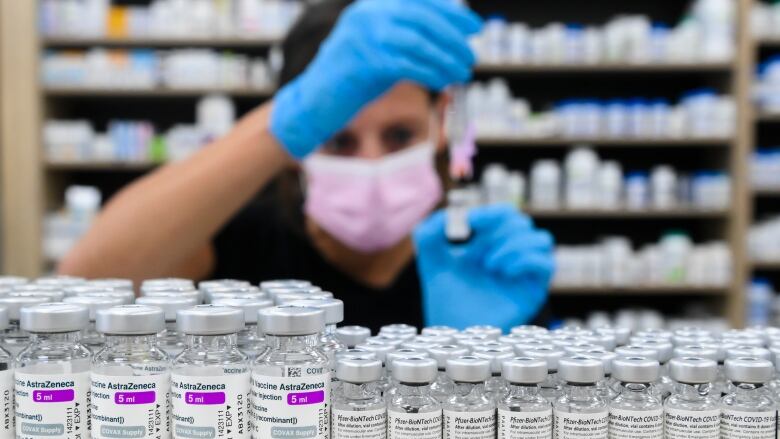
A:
(310, 379)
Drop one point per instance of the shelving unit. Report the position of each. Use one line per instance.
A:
(44, 180)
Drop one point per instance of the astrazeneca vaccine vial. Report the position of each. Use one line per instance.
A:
(580, 412)
(352, 335)
(7, 430)
(359, 412)
(91, 337)
(130, 375)
(334, 314)
(412, 413)
(748, 412)
(169, 340)
(636, 413)
(210, 378)
(691, 412)
(291, 381)
(551, 387)
(14, 337)
(524, 413)
(443, 386)
(250, 340)
(51, 380)
(469, 413)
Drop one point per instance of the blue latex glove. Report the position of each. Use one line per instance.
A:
(500, 277)
(374, 45)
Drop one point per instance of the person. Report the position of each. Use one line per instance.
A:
(350, 145)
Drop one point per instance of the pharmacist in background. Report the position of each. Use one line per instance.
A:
(361, 117)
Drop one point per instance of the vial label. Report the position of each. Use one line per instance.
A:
(134, 406)
(747, 425)
(414, 425)
(581, 425)
(469, 425)
(368, 424)
(632, 424)
(688, 424)
(296, 405)
(211, 406)
(7, 429)
(55, 406)
(524, 425)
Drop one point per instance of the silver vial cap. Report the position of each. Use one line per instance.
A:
(288, 298)
(355, 353)
(494, 346)
(583, 370)
(528, 330)
(749, 370)
(606, 358)
(385, 339)
(401, 354)
(352, 335)
(94, 303)
(284, 283)
(549, 354)
(55, 294)
(78, 290)
(60, 281)
(170, 305)
(419, 345)
(696, 351)
(379, 349)
(398, 328)
(637, 351)
(54, 317)
(489, 330)
(749, 352)
(333, 308)
(496, 359)
(415, 370)
(358, 371)
(656, 334)
(167, 282)
(130, 320)
(291, 320)
(233, 293)
(185, 293)
(114, 283)
(12, 281)
(210, 320)
(443, 353)
(635, 370)
(693, 370)
(249, 306)
(15, 304)
(4, 320)
(437, 340)
(439, 330)
(663, 347)
(606, 341)
(468, 369)
(127, 296)
(206, 285)
(524, 370)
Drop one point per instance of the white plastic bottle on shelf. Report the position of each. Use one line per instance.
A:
(495, 184)
(545, 184)
(581, 178)
(610, 185)
(675, 248)
(664, 187)
(516, 184)
(637, 191)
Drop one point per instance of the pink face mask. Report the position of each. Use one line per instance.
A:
(371, 205)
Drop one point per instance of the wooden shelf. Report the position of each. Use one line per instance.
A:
(153, 92)
(115, 165)
(767, 117)
(769, 43)
(766, 192)
(658, 290)
(765, 265)
(678, 213)
(248, 42)
(659, 68)
(515, 141)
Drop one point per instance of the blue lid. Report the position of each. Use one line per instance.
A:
(761, 281)
(636, 175)
(703, 91)
(495, 16)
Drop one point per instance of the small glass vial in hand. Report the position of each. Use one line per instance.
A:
(636, 411)
(443, 387)
(580, 412)
(358, 409)
(412, 413)
(250, 341)
(469, 412)
(457, 229)
(130, 375)
(748, 408)
(291, 379)
(210, 378)
(169, 340)
(523, 412)
(52, 372)
(91, 337)
(690, 411)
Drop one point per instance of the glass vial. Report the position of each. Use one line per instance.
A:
(14, 337)
(496, 386)
(580, 412)
(91, 337)
(334, 314)
(748, 409)
(551, 387)
(636, 412)
(352, 335)
(412, 413)
(443, 386)
(169, 340)
(359, 411)
(691, 412)
(524, 413)
(250, 341)
(52, 372)
(210, 378)
(7, 430)
(390, 358)
(469, 412)
(291, 381)
(380, 350)
(130, 375)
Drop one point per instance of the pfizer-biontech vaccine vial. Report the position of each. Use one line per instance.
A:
(14, 337)
(210, 378)
(51, 380)
(443, 386)
(130, 375)
(291, 381)
(636, 411)
(748, 411)
(691, 412)
(524, 413)
(469, 412)
(170, 340)
(359, 410)
(412, 413)
(91, 337)
(580, 412)
(352, 335)
(250, 341)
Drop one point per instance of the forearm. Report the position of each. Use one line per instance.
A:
(159, 222)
